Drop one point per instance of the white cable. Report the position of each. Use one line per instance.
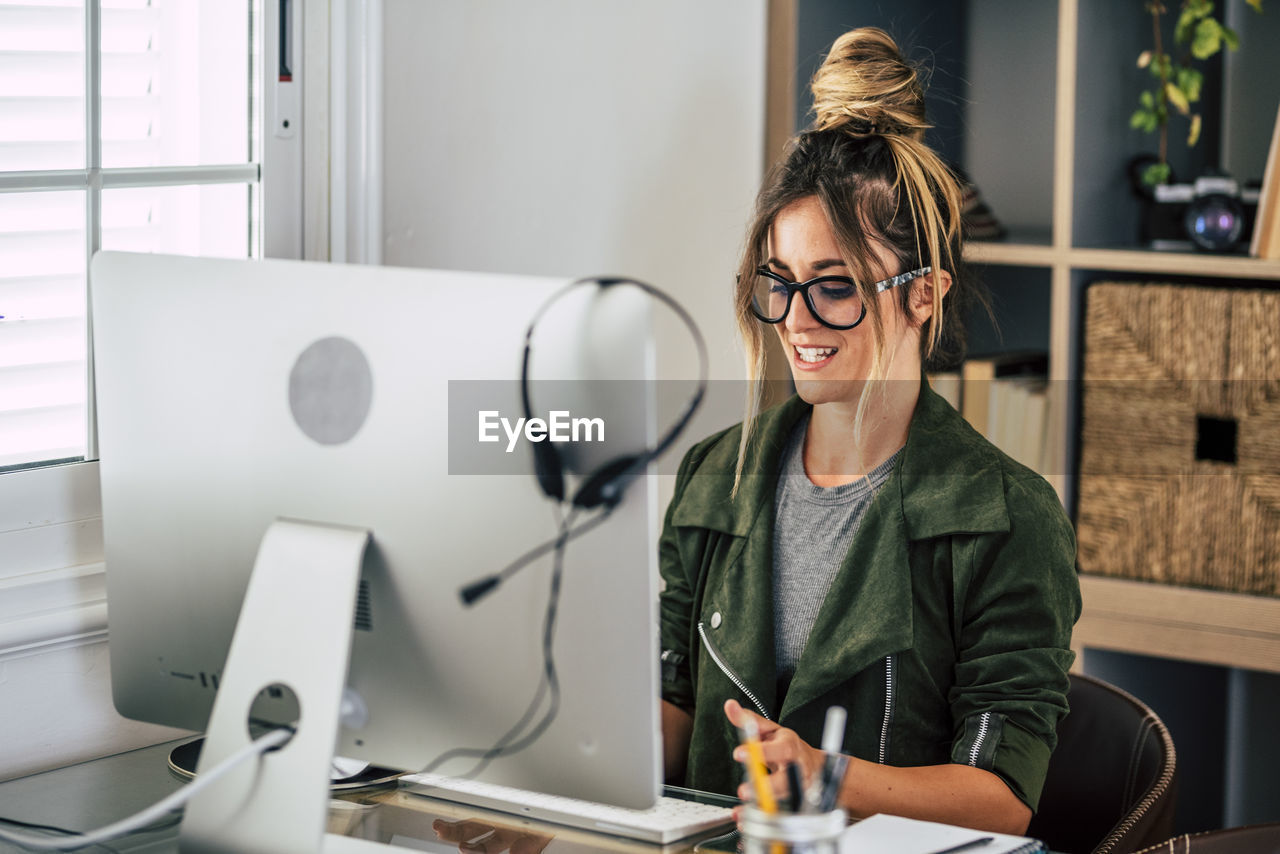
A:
(176, 801)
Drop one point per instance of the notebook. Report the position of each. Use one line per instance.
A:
(891, 833)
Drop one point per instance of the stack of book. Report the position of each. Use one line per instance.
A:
(1005, 397)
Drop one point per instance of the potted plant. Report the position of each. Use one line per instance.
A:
(1197, 36)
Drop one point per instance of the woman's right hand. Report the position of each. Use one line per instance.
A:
(780, 747)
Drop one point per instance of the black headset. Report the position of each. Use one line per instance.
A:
(605, 486)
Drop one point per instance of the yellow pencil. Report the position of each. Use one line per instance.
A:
(756, 769)
(759, 775)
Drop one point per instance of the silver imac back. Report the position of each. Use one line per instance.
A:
(212, 425)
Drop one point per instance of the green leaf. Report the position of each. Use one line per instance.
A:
(1190, 80)
(1194, 135)
(1156, 173)
(1161, 66)
(1147, 99)
(1177, 97)
(1256, 4)
(1186, 24)
(1230, 38)
(1207, 40)
(1144, 120)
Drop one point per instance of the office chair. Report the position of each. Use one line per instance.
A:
(1111, 787)
(1251, 839)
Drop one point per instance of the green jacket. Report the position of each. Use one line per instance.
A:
(946, 634)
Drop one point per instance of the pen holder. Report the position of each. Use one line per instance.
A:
(791, 833)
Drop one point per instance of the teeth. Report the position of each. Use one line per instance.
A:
(814, 354)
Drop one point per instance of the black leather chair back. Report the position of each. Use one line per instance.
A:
(1111, 783)
(1250, 839)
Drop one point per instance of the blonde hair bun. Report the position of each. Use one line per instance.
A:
(866, 86)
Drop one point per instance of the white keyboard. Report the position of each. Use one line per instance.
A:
(671, 820)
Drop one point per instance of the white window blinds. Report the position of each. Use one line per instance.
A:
(124, 124)
(42, 234)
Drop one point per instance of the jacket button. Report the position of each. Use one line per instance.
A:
(716, 620)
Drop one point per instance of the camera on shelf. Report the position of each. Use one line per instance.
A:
(1215, 214)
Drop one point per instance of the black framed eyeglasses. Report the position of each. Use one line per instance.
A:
(832, 300)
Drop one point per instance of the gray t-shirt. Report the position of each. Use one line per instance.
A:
(812, 531)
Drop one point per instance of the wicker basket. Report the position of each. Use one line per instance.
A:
(1180, 456)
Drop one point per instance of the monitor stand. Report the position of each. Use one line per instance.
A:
(294, 631)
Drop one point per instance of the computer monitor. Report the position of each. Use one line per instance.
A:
(235, 393)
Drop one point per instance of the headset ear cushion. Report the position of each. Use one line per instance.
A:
(606, 485)
(546, 465)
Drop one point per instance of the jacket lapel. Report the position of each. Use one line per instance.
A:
(737, 609)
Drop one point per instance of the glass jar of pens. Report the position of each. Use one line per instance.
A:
(791, 833)
(809, 820)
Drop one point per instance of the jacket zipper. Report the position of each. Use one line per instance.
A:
(889, 684)
(727, 671)
(984, 724)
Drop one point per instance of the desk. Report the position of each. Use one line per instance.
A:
(94, 794)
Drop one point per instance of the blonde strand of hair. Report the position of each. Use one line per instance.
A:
(923, 177)
(755, 356)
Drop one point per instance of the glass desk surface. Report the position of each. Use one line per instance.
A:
(95, 793)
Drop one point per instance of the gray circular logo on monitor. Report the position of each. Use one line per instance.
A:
(330, 390)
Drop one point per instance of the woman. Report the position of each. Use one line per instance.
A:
(860, 545)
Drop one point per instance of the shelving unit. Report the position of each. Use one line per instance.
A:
(1205, 626)
(1124, 260)
(1047, 90)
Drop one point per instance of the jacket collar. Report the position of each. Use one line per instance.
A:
(706, 502)
(949, 480)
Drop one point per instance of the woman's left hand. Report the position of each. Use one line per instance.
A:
(780, 746)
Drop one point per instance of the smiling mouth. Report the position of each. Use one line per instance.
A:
(814, 355)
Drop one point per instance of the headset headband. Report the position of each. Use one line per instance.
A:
(605, 485)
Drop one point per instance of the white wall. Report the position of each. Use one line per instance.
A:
(574, 137)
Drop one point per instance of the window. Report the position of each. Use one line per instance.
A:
(124, 124)
(127, 125)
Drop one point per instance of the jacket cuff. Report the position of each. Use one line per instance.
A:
(994, 743)
(677, 686)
